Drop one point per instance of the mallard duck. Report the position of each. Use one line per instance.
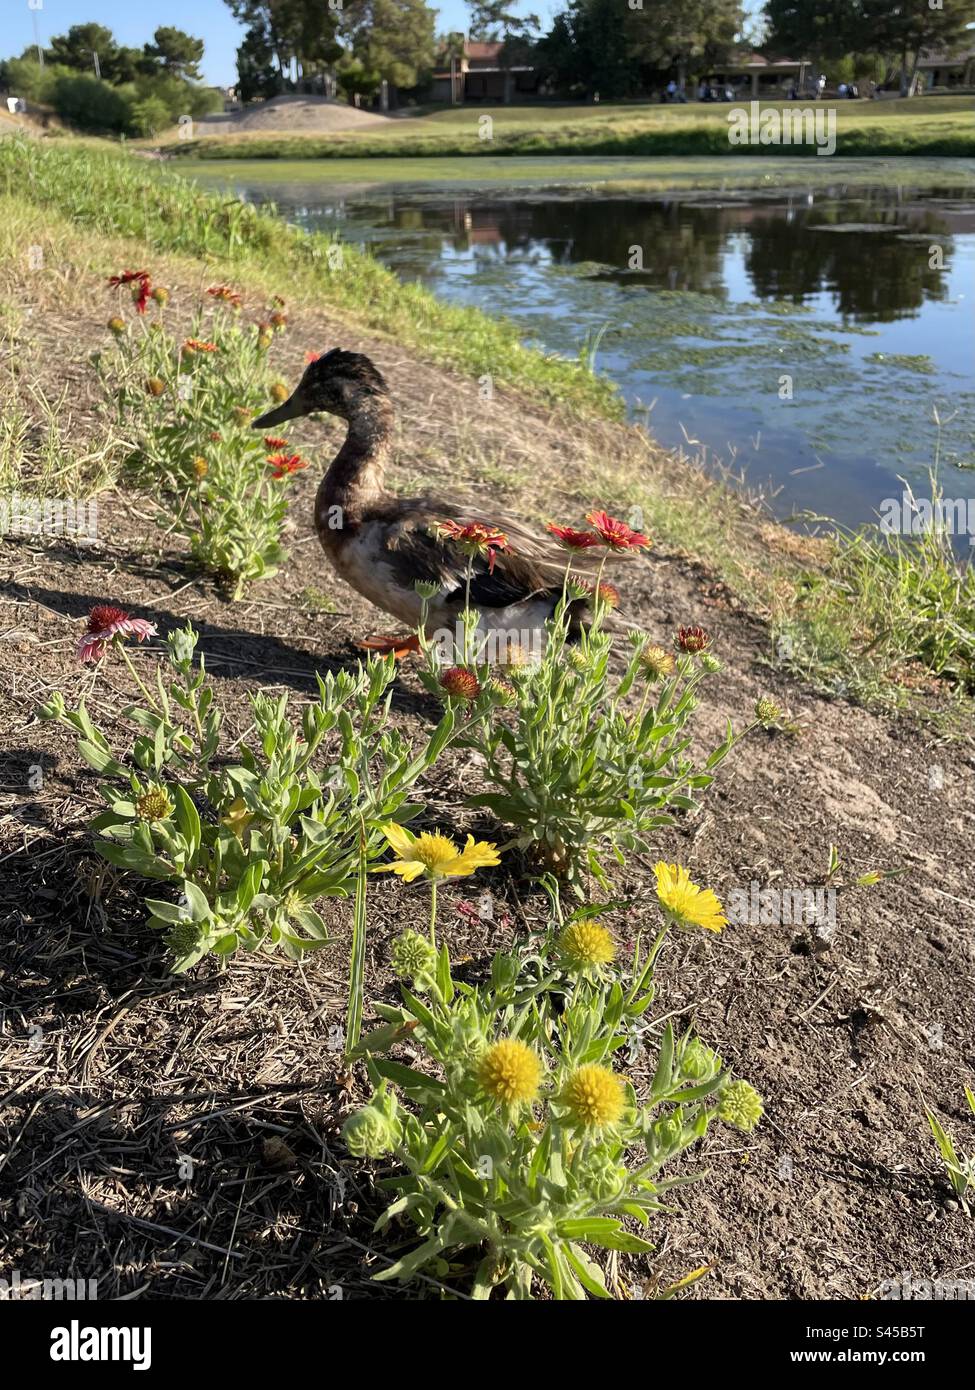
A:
(383, 545)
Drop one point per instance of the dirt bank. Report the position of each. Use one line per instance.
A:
(114, 1073)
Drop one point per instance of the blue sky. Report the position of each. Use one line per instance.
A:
(209, 20)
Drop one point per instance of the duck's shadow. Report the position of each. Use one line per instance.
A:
(237, 652)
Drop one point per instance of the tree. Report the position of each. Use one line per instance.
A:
(824, 30)
(587, 50)
(257, 76)
(908, 27)
(178, 52)
(495, 19)
(281, 33)
(394, 39)
(76, 49)
(681, 35)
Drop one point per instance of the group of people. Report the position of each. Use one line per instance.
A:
(723, 91)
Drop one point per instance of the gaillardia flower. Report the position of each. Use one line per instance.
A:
(616, 534)
(510, 1072)
(606, 592)
(139, 281)
(105, 623)
(573, 539)
(154, 804)
(766, 711)
(283, 464)
(461, 683)
(740, 1105)
(686, 903)
(225, 294)
(280, 392)
(271, 441)
(434, 856)
(692, 639)
(194, 345)
(594, 1096)
(412, 955)
(586, 944)
(656, 663)
(474, 538)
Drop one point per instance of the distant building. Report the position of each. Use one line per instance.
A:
(479, 75)
(944, 70)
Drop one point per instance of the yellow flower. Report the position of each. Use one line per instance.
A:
(586, 944)
(510, 1072)
(688, 905)
(238, 818)
(594, 1096)
(434, 856)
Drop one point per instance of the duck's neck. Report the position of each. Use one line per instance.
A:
(355, 478)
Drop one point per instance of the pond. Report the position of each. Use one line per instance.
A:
(810, 339)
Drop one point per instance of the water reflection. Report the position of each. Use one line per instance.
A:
(708, 302)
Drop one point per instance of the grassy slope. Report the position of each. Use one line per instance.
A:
(845, 609)
(929, 126)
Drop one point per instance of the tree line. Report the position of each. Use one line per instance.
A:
(94, 83)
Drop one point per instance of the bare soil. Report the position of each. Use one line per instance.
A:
(287, 114)
(179, 1138)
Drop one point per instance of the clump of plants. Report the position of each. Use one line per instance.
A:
(246, 838)
(524, 1142)
(581, 771)
(184, 403)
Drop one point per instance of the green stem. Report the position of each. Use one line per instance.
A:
(433, 913)
(135, 675)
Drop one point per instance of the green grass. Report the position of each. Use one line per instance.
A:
(881, 603)
(943, 126)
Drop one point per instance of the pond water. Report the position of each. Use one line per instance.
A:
(807, 338)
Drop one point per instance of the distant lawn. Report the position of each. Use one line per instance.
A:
(924, 126)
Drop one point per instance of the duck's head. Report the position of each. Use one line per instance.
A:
(338, 382)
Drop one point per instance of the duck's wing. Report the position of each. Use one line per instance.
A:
(414, 551)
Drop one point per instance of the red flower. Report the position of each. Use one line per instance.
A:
(141, 287)
(271, 441)
(312, 356)
(461, 683)
(215, 435)
(573, 539)
(197, 345)
(105, 623)
(692, 639)
(616, 534)
(225, 293)
(283, 464)
(474, 538)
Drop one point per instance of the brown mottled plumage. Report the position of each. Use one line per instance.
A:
(383, 545)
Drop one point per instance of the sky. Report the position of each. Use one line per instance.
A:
(209, 20)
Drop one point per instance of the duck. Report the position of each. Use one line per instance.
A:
(384, 545)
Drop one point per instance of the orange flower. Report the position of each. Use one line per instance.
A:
(283, 464)
(226, 294)
(312, 356)
(139, 280)
(271, 441)
(193, 345)
(474, 538)
(616, 534)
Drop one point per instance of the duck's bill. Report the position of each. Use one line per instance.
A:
(290, 410)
